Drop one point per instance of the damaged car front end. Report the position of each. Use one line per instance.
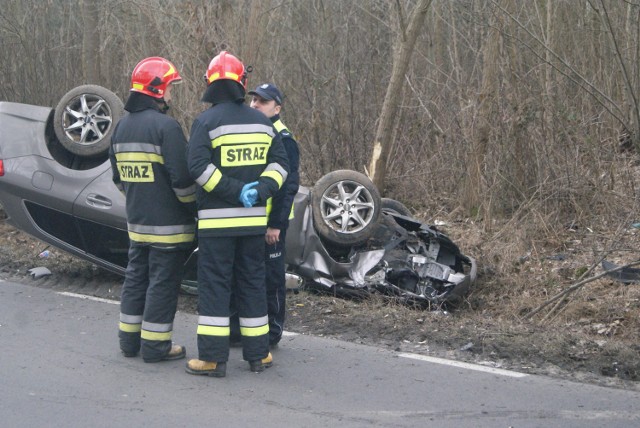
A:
(402, 257)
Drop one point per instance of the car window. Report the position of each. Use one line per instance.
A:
(105, 242)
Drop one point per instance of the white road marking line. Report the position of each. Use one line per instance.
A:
(85, 297)
(116, 302)
(435, 360)
(468, 366)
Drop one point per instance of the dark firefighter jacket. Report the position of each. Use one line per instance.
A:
(282, 202)
(148, 160)
(231, 145)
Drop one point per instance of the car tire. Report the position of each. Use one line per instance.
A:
(395, 207)
(346, 208)
(85, 118)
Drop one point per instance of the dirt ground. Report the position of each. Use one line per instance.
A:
(590, 336)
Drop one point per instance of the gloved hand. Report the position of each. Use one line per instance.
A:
(248, 195)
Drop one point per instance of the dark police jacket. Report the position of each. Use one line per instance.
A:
(282, 202)
(231, 145)
(148, 160)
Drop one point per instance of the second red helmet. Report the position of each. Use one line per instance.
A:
(226, 66)
(152, 76)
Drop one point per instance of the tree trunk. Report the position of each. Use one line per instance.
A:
(404, 49)
(90, 42)
(475, 189)
(254, 32)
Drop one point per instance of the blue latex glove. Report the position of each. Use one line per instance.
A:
(249, 198)
(248, 195)
(248, 186)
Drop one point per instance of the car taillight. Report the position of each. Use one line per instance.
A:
(1, 168)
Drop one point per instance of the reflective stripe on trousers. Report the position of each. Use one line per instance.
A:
(149, 299)
(221, 259)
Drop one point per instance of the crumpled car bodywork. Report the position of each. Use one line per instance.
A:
(69, 201)
(404, 257)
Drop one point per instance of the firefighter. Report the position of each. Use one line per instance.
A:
(268, 99)
(148, 159)
(238, 162)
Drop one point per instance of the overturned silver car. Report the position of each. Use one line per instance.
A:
(396, 254)
(55, 184)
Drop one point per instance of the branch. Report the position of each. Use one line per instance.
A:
(576, 286)
(439, 130)
(401, 23)
(584, 84)
(625, 73)
(557, 57)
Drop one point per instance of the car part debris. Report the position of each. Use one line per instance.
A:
(39, 272)
(625, 275)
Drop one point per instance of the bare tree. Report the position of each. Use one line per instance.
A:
(404, 50)
(91, 41)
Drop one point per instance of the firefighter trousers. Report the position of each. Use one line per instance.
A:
(276, 293)
(149, 299)
(229, 265)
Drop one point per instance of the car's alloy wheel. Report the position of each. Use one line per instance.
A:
(346, 207)
(85, 118)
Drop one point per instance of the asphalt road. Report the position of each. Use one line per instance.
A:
(60, 367)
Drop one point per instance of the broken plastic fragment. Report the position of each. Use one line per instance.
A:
(39, 272)
(467, 347)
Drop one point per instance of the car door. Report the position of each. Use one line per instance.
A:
(100, 213)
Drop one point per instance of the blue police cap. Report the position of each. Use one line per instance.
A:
(269, 92)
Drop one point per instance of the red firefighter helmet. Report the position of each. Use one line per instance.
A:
(226, 66)
(152, 76)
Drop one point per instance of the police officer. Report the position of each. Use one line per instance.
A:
(239, 162)
(267, 98)
(148, 159)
